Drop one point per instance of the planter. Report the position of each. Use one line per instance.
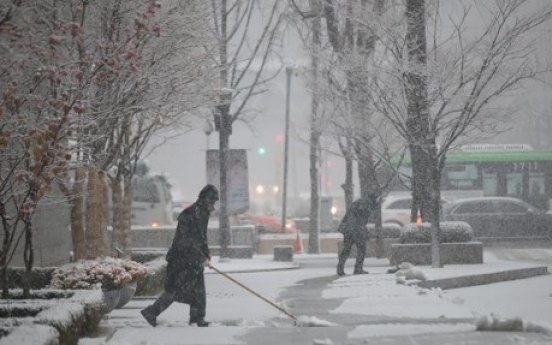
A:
(110, 299)
(451, 253)
(125, 294)
(52, 316)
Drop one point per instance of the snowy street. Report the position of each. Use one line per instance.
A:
(353, 309)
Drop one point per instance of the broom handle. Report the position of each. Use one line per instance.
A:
(253, 292)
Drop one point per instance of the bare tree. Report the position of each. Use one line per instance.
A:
(35, 119)
(244, 50)
(345, 58)
(437, 91)
(112, 36)
(152, 83)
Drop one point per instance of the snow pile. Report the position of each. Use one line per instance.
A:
(48, 298)
(50, 315)
(31, 334)
(325, 341)
(62, 315)
(407, 271)
(495, 323)
(312, 321)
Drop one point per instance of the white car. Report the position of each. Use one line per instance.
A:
(396, 209)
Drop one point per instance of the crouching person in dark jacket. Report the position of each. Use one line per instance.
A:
(353, 228)
(185, 261)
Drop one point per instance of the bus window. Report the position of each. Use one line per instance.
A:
(490, 183)
(514, 183)
(460, 177)
(536, 184)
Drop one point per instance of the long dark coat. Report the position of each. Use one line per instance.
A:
(187, 254)
(355, 219)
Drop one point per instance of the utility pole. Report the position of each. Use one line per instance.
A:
(289, 70)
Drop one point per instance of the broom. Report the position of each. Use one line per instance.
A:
(253, 292)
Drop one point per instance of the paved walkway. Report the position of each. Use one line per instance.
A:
(490, 271)
(128, 327)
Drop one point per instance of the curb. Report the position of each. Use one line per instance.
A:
(484, 279)
(258, 270)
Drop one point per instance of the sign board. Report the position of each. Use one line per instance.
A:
(237, 179)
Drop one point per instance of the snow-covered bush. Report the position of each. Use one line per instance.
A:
(388, 230)
(106, 273)
(451, 232)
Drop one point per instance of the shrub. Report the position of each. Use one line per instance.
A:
(451, 232)
(388, 230)
(106, 273)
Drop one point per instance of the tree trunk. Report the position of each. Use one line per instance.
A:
(95, 234)
(77, 215)
(348, 186)
(126, 238)
(314, 141)
(435, 214)
(28, 258)
(4, 262)
(224, 223)
(421, 143)
(118, 216)
(4, 277)
(102, 212)
(224, 136)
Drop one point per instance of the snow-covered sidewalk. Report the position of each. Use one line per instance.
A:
(390, 300)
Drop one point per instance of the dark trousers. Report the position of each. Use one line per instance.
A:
(185, 283)
(348, 240)
(197, 305)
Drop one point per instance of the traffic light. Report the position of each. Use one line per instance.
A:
(261, 150)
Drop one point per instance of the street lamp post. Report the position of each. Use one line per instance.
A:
(289, 70)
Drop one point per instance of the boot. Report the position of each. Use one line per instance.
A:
(360, 271)
(340, 270)
(150, 317)
(199, 322)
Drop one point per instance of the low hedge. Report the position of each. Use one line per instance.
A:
(388, 230)
(40, 277)
(451, 232)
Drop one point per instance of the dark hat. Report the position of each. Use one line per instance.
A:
(209, 193)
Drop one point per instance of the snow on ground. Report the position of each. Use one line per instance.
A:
(378, 295)
(375, 294)
(312, 321)
(179, 336)
(529, 299)
(381, 330)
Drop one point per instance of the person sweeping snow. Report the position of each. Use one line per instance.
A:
(185, 261)
(353, 228)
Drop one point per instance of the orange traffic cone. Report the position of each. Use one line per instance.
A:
(298, 245)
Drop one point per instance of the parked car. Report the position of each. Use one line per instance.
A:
(270, 224)
(396, 209)
(500, 218)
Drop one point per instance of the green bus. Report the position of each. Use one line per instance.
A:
(492, 170)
